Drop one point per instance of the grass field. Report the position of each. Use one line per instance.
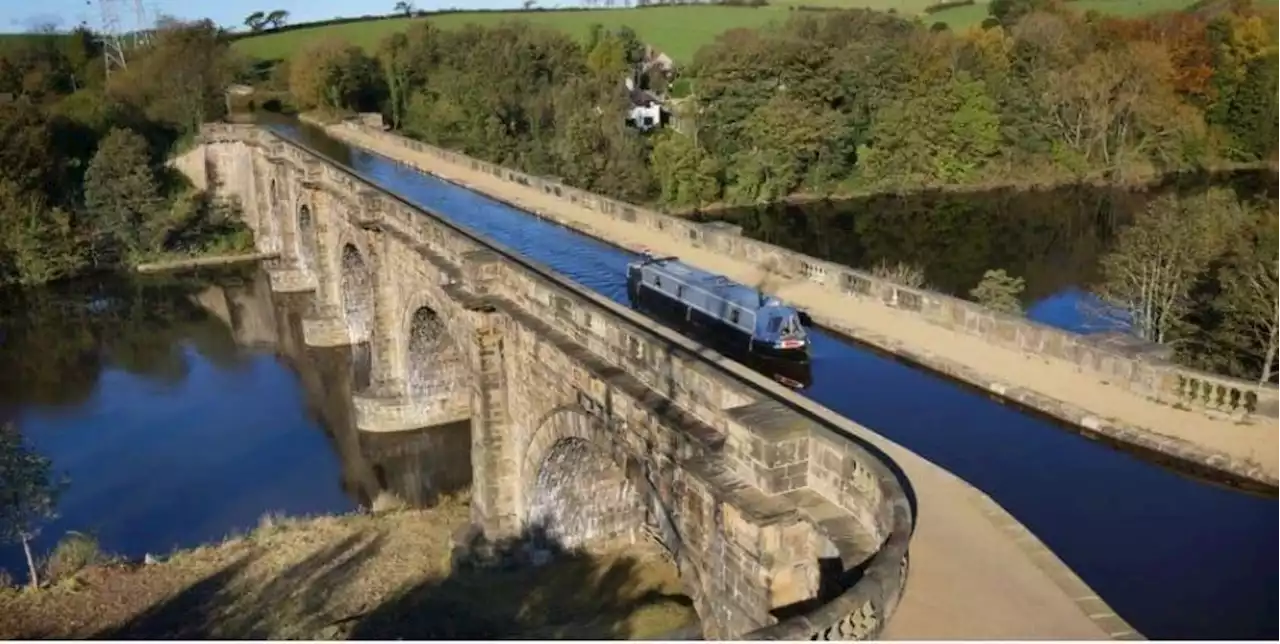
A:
(963, 17)
(678, 31)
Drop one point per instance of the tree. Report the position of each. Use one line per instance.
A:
(999, 291)
(37, 241)
(393, 56)
(180, 82)
(944, 132)
(786, 144)
(1149, 279)
(256, 21)
(277, 18)
(1249, 296)
(28, 493)
(405, 8)
(331, 73)
(688, 176)
(122, 195)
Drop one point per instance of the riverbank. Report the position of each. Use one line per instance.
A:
(1247, 451)
(367, 576)
(202, 261)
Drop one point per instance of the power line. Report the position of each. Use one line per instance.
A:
(112, 34)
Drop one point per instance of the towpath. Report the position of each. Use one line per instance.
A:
(1252, 446)
(976, 573)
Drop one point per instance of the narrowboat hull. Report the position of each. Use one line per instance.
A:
(789, 366)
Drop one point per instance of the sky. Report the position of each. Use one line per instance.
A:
(20, 15)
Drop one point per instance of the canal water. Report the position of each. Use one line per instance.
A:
(1177, 557)
(182, 410)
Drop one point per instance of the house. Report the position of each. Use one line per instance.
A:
(647, 110)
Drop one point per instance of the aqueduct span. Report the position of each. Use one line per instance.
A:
(755, 491)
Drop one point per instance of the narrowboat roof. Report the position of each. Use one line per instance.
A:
(721, 286)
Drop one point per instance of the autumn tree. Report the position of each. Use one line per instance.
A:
(28, 494)
(332, 74)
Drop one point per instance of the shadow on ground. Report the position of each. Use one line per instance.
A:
(543, 592)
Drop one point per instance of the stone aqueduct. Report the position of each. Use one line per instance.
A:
(584, 416)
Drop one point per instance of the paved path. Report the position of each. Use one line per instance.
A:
(1247, 447)
(976, 573)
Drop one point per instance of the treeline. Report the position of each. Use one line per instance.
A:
(844, 101)
(837, 102)
(83, 181)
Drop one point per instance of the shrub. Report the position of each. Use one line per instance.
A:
(74, 553)
(901, 273)
(999, 291)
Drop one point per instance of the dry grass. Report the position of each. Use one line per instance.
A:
(380, 576)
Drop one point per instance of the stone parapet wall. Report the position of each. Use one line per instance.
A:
(752, 536)
(1149, 377)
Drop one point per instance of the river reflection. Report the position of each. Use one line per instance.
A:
(1053, 239)
(184, 410)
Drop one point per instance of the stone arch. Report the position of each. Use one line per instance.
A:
(356, 289)
(434, 369)
(305, 240)
(581, 483)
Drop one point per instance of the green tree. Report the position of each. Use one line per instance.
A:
(181, 79)
(393, 58)
(593, 148)
(786, 144)
(687, 175)
(934, 133)
(332, 74)
(37, 242)
(1249, 295)
(999, 291)
(122, 195)
(28, 494)
(1252, 111)
(1150, 278)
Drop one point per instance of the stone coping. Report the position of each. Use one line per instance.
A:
(1147, 376)
(877, 592)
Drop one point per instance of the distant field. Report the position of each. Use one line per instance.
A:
(963, 17)
(678, 31)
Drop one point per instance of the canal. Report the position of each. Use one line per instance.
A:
(1177, 557)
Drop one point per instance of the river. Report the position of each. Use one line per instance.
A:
(183, 410)
(1177, 557)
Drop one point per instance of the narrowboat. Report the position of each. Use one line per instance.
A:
(739, 315)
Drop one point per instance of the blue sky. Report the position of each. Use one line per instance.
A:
(19, 15)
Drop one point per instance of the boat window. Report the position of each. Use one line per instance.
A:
(657, 281)
(733, 315)
(680, 290)
(774, 324)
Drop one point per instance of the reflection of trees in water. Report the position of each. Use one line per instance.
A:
(1054, 239)
(57, 340)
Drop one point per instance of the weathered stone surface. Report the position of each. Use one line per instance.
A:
(589, 423)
